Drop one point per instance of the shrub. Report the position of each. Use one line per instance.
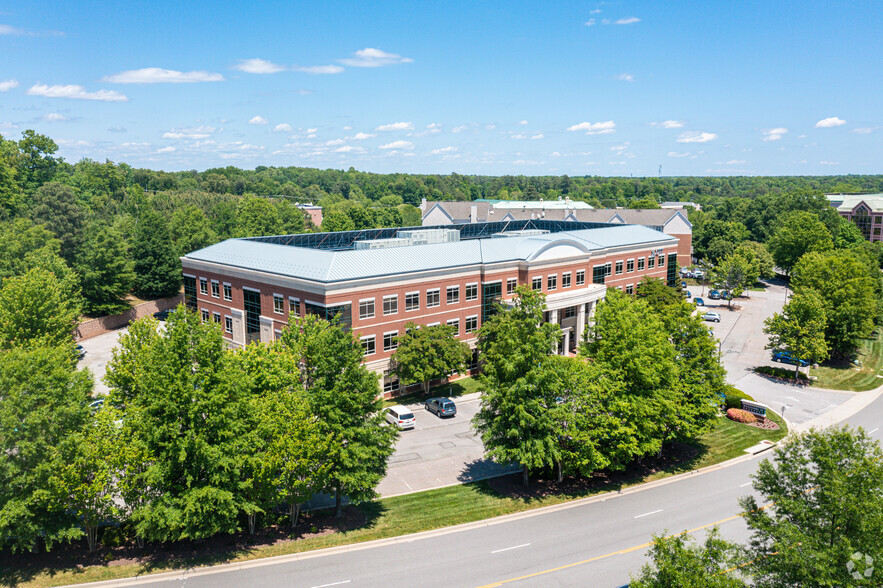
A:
(741, 416)
(778, 372)
(731, 390)
(733, 402)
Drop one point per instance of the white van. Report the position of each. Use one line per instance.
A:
(400, 416)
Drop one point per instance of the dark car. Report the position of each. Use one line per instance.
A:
(80, 351)
(698, 302)
(714, 295)
(162, 315)
(683, 284)
(786, 357)
(687, 294)
(442, 407)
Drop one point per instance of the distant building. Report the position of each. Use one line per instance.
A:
(680, 205)
(377, 280)
(315, 212)
(865, 210)
(669, 221)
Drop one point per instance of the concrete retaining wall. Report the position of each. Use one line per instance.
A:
(99, 326)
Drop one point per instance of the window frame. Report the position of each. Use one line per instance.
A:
(552, 282)
(471, 292)
(293, 306)
(203, 286)
(216, 289)
(536, 283)
(455, 291)
(278, 304)
(511, 284)
(433, 297)
(228, 292)
(471, 319)
(364, 305)
(394, 300)
(408, 301)
(566, 279)
(228, 324)
(369, 345)
(390, 340)
(580, 277)
(455, 322)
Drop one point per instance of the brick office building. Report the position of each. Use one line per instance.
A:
(378, 280)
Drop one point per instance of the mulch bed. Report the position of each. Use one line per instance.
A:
(766, 424)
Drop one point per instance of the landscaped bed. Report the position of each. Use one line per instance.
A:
(389, 517)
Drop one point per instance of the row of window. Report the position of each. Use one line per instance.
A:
(216, 289)
(390, 339)
(551, 281)
(412, 300)
(216, 317)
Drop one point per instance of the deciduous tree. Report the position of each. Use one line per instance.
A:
(105, 271)
(37, 309)
(800, 328)
(798, 233)
(676, 561)
(428, 353)
(157, 267)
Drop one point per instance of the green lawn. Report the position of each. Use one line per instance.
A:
(461, 387)
(858, 377)
(421, 511)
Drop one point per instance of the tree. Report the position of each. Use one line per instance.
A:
(823, 492)
(19, 239)
(759, 257)
(848, 234)
(847, 289)
(35, 162)
(37, 309)
(184, 404)
(85, 472)
(55, 206)
(733, 274)
(800, 328)
(336, 220)
(256, 217)
(428, 353)
(344, 396)
(799, 232)
(157, 268)
(43, 400)
(515, 419)
(106, 271)
(190, 230)
(677, 561)
(11, 196)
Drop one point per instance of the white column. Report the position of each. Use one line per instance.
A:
(580, 324)
(266, 329)
(553, 316)
(238, 316)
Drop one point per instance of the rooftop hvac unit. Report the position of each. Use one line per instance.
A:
(524, 233)
(381, 244)
(427, 236)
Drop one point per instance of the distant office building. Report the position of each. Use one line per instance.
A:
(669, 221)
(377, 280)
(315, 213)
(680, 205)
(865, 210)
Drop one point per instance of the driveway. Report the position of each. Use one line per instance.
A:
(99, 351)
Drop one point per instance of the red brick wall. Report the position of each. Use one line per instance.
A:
(105, 324)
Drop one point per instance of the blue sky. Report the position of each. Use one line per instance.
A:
(582, 88)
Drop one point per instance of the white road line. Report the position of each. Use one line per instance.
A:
(792, 398)
(745, 484)
(649, 513)
(508, 548)
(874, 431)
(333, 584)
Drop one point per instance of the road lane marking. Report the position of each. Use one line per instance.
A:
(333, 584)
(646, 514)
(508, 548)
(745, 484)
(874, 431)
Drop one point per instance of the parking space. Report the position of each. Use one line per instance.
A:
(99, 351)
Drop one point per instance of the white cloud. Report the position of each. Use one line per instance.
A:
(156, 75)
(362, 136)
(55, 117)
(7, 85)
(627, 21)
(598, 128)
(527, 162)
(774, 134)
(312, 130)
(398, 126)
(735, 162)
(370, 57)
(258, 66)
(347, 128)
(459, 129)
(696, 137)
(433, 126)
(676, 154)
(831, 121)
(519, 136)
(282, 128)
(166, 150)
(490, 127)
(590, 22)
(668, 124)
(258, 120)
(863, 130)
(621, 148)
(555, 154)
(522, 122)
(595, 11)
(305, 92)
(443, 150)
(319, 69)
(75, 92)
(823, 162)
(348, 149)
(334, 142)
(6, 29)
(537, 136)
(74, 143)
(398, 145)
(200, 132)
(625, 77)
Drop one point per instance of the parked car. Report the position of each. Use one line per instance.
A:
(400, 416)
(683, 284)
(786, 357)
(442, 407)
(725, 295)
(162, 315)
(699, 274)
(698, 302)
(81, 351)
(687, 294)
(714, 295)
(96, 405)
(711, 316)
(685, 273)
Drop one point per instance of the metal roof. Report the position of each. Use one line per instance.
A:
(849, 202)
(324, 265)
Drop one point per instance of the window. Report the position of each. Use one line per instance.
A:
(552, 282)
(661, 261)
(570, 312)
(492, 294)
(204, 315)
(228, 324)
(565, 280)
(278, 304)
(390, 384)
(203, 286)
(190, 292)
(368, 345)
(293, 307)
(618, 267)
(216, 289)
(390, 304)
(580, 277)
(511, 283)
(216, 316)
(607, 267)
(390, 341)
(640, 264)
(672, 272)
(537, 284)
(471, 323)
(630, 289)
(433, 298)
(366, 309)
(599, 272)
(453, 294)
(456, 324)
(471, 292)
(412, 301)
(651, 262)
(228, 292)
(630, 265)
(341, 312)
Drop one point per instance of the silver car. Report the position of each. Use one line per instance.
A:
(711, 316)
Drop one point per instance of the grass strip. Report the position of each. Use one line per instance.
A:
(862, 376)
